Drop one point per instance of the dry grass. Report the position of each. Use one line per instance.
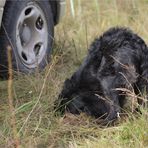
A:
(34, 95)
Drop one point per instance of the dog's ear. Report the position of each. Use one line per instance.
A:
(63, 96)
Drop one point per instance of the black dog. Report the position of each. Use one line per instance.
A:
(117, 60)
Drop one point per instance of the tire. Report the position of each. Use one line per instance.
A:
(28, 27)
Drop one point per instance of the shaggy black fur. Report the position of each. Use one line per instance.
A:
(118, 59)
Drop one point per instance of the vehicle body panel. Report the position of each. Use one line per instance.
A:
(60, 9)
(2, 4)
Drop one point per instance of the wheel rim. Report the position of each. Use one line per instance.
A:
(31, 36)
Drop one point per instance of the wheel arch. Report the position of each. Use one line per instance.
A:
(58, 9)
(54, 7)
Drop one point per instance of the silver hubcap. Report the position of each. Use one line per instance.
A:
(31, 35)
